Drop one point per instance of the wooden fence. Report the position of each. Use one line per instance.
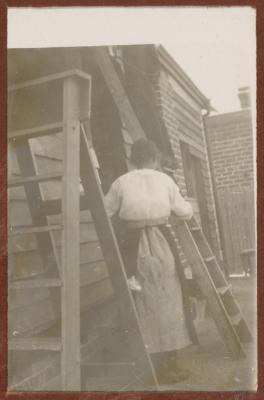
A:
(237, 210)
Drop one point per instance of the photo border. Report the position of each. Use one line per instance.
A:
(219, 395)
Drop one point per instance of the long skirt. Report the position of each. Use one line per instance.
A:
(160, 302)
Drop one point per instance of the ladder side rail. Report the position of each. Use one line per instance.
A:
(221, 283)
(70, 264)
(112, 257)
(35, 198)
(201, 241)
(112, 80)
(206, 284)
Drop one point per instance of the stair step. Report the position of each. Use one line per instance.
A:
(34, 344)
(209, 259)
(108, 364)
(236, 319)
(42, 130)
(20, 181)
(26, 230)
(195, 229)
(224, 289)
(36, 283)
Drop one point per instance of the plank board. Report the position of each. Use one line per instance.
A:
(35, 344)
(128, 316)
(34, 318)
(22, 298)
(237, 212)
(25, 265)
(127, 115)
(70, 258)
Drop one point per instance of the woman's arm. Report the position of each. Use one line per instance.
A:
(113, 199)
(179, 206)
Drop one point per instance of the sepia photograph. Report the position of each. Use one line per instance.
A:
(132, 199)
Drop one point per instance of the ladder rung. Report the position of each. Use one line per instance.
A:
(195, 229)
(53, 207)
(34, 344)
(224, 289)
(36, 283)
(108, 364)
(42, 130)
(236, 318)
(19, 181)
(209, 259)
(26, 230)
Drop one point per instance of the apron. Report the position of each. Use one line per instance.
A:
(161, 306)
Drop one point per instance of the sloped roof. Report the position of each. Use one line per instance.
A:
(168, 62)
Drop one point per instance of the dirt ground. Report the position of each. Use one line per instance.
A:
(211, 367)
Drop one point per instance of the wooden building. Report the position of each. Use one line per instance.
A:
(169, 109)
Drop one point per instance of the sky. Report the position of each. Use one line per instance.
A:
(215, 46)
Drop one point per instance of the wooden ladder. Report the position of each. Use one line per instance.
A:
(77, 163)
(141, 367)
(213, 284)
(131, 127)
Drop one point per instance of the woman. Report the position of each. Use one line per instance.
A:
(144, 199)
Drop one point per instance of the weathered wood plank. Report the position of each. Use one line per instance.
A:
(25, 265)
(70, 360)
(113, 259)
(17, 244)
(22, 298)
(49, 79)
(30, 370)
(48, 146)
(34, 318)
(98, 293)
(25, 230)
(36, 344)
(34, 198)
(35, 283)
(47, 164)
(92, 273)
(237, 212)
(46, 129)
(20, 181)
(128, 117)
(89, 252)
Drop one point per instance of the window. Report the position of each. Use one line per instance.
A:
(194, 181)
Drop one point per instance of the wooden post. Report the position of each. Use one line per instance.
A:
(70, 304)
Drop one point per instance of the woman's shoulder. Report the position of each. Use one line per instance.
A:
(124, 178)
(129, 176)
(164, 177)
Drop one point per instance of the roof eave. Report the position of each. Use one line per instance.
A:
(182, 78)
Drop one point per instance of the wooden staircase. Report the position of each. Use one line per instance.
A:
(64, 276)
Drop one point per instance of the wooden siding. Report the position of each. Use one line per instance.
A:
(32, 311)
(237, 208)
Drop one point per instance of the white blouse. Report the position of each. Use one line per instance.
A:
(144, 194)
